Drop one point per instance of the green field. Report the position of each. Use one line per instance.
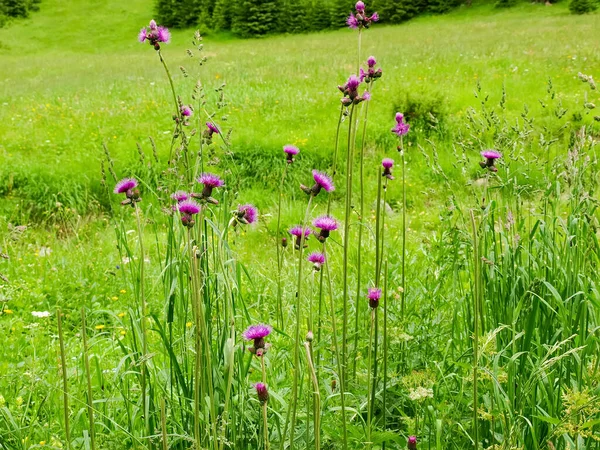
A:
(498, 281)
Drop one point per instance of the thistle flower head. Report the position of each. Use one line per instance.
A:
(366, 96)
(360, 6)
(259, 331)
(352, 21)
(189, 207)
(326, 223)
(352, 83)
(143, 35)
(154, 34)
(318, 259)
(374, 17)
(374, 295)
(298, 231)
(185, 110)
(491, 154)
(212, 128)
(262, 392)
(401, 127)
(371, 61)
(247, 213)
(153, 25)
(291, 150)
(163, 34)
(387, 163)
(323, 180)
(180, 196)
(210, 180)
(126, 184)
(412, 443)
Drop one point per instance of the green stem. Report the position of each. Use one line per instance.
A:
(86, 363)
(348, 211)
(264, 405)
(144, 369)
(385, 349)
(369, 379)
(316, 397)
(163, 424)
(279, 249)
(63, 364)
(403, 293)
(298, 322)
(476, 300)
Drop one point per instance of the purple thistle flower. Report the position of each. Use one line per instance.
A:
(257, 333)
(300, 233)
(490, 158)
(374, 295)
(387, 164)
(412, 443)
(290, 151)
(143, 35)
(210, 181)
(247, 213)
(163, 34)
(352, 21)
(126, 184)
(318, 259)
(188, 207)
(154, 35)
(326, 224)
(185, 110)
(401, 127)
(180, 196)
(371, 61)
(262, 392)
(374, 17)
(352, 83)
(212, 128)
(362, 75)
(322, 181)
(366, 96)
(360, 6)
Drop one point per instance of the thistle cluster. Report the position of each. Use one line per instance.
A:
(128, 186)
(359, 19)
(371, 74)
(350, 91)
(154, 34)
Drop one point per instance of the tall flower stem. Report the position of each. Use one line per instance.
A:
(88, 379)
(316, 397)
(369, 378)
(385, 349)
(348, 212)
(476, 303)
(298, 322)
(143, 368)
(360, 228)
(176, 103)
(163, 424)
(403, 293)
(264, 405)
(336, 349)
(279, 249)
(63, 364)
(321, 275)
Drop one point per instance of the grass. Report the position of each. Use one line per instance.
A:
(491, 339)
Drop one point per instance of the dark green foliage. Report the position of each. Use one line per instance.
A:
(425, 111)
(339, 12)
(222, 14)
(255, 17)
(505, 3)
(582, 6)
(17, 8)
(179, 13)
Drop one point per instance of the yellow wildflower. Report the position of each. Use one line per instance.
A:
(99, 327)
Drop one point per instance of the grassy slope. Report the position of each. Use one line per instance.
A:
(75, 76)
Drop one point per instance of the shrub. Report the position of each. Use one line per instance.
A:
(582, 6)
(425, 111)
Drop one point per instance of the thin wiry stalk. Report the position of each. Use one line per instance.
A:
(279, 249)
(88, 378)
(63, 364)
(163, 424)
(370, 379)
(264, 405)
(403, 292)
(385, 350)
(298, 322)
(476, 299)
(347, 215)
(316, 396)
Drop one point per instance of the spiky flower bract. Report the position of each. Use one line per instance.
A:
(290, 151)
(374, 295)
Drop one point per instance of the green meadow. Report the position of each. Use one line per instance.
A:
(487, 332)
